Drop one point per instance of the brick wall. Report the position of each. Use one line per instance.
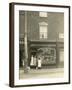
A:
(55, 24)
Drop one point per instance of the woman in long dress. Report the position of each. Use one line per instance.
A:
(32, 61)
(39, 63)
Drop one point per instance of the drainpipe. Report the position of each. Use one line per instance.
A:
(25, 46)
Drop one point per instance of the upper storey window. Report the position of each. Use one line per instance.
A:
(43, 30)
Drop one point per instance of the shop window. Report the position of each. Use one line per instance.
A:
(48, 55)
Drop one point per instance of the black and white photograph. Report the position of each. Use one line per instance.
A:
(40, 44)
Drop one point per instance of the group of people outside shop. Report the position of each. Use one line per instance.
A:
(35, 62)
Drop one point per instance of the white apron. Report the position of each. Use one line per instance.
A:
(32, 62)
(39, 63)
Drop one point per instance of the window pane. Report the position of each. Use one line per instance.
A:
(61, 35)
(43, 29)
(41, 35)
(45, 35)
(43, 14)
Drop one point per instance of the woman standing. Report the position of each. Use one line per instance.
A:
(39, 63)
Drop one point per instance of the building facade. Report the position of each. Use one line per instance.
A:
(45, 37)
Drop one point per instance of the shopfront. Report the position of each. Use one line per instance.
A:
(45, 38)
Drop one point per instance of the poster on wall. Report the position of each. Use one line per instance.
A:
(39, 44)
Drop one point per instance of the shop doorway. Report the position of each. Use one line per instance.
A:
(61, 58)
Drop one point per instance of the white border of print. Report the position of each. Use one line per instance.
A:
(18, 81)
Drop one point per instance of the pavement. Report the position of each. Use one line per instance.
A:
(42, 73)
